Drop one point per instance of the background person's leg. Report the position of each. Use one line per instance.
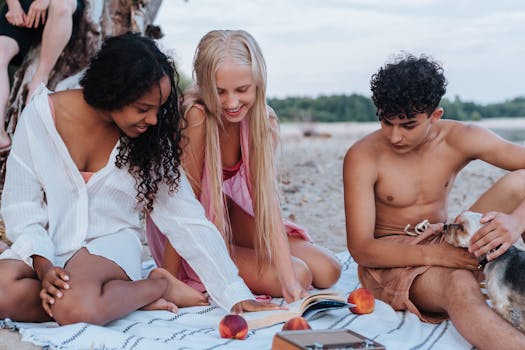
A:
(57, 32)
(8, 50)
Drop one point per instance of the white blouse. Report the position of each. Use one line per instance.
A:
(50, 211)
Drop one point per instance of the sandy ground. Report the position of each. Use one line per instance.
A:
(312, 188)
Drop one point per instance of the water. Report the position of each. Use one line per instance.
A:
(511, 134)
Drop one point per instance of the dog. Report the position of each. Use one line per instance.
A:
(505, 275)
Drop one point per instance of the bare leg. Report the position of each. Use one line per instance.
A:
(457, 293)
(325, 268)
(320, 264)
(179, 292)
(8, 50)
(101, 292)
(56, 34)
(267, 282)
(504, 196)
(19, 293)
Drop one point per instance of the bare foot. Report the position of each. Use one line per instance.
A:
(161, 304)
(179, 292)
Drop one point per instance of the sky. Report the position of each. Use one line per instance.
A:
(323, 47)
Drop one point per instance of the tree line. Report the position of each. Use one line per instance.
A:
(358, 108)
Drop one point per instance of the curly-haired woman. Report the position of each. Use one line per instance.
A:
(83, 165)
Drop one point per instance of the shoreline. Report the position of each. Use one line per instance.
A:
(289, 129)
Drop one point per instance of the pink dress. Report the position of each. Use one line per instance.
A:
(237, 186)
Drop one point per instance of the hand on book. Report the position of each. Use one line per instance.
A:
(293, 291)
(254, 305)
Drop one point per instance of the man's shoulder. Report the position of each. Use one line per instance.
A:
(366, 150)
(368, 143)
(455, 132)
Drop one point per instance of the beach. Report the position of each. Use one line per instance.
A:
(310, 177)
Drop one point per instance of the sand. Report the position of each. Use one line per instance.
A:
(312, 186)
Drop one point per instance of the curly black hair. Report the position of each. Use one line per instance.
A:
(124, 69)
(408, 86)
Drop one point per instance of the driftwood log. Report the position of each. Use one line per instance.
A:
(101, 19)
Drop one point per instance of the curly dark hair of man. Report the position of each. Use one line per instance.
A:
(126, 67)
(408, 86)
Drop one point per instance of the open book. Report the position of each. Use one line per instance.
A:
(307, 307)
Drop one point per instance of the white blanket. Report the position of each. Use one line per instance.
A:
(197, 328)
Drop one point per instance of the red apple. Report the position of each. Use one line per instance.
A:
(296, 323)
(233, 327)
(364, 301)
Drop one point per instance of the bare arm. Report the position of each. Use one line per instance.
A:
(193, 153)
(505, 225)
(479, 143)
(192, 163)
(360, 176)
(291, 288)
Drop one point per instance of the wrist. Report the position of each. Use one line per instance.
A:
(41, 265)
(11, 4)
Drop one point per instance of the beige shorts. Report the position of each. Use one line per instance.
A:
(393, 285)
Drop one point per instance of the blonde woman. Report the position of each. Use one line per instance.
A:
(230, 160)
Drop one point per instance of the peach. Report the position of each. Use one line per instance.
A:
(364, 301)
(233, 327)
(296, 323)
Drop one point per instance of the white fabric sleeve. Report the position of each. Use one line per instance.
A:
(23, 206)
(182, 219)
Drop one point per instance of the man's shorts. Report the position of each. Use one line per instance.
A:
(26, 37)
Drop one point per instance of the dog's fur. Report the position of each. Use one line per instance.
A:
(505, 275)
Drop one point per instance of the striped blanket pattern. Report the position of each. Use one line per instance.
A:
(197, 328)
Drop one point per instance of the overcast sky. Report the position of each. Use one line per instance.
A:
(315, 47)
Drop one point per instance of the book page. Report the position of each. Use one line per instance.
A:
(318, 301)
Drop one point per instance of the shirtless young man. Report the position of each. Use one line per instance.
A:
(402, 174)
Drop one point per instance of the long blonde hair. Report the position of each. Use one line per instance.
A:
(239, 46)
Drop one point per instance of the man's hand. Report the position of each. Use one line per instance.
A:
(53, 284)
(254, 305)
(36, 15)
(500, 232)
(15, 15)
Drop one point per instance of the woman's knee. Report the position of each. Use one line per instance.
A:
(328, 273)
(302, 272)
(8, 49)
(13, 273)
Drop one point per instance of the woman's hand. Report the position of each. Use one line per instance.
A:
(293, 291)
(15, 15)
(54, 282)
(499, 233)
(36, 15)
(254, 305)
